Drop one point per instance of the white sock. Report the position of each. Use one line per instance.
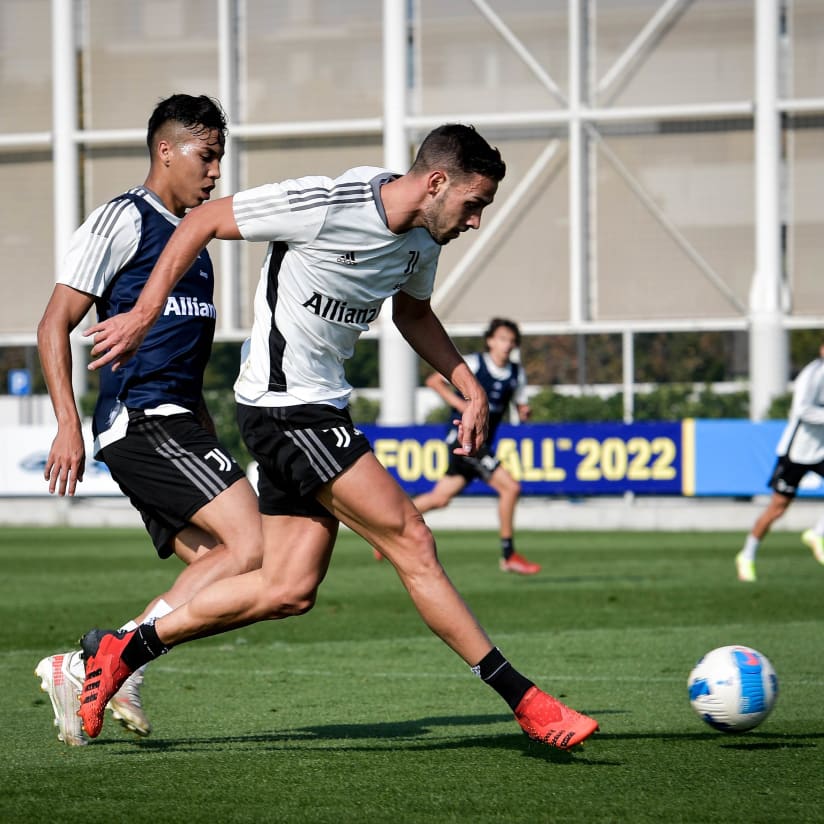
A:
(818, 529)
(750, 547)
(160, 609)
(77, 667)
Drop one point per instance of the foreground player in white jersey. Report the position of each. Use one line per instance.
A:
(150, 424)
(800, 450)
(338, 249)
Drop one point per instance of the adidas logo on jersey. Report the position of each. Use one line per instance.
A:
(348, 258)
(190, 307)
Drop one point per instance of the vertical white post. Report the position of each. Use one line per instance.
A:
(628, 358)
(579, 206)
(229, 275)
(577, 165)
(65, 159)
(397, 361)
(768, 339)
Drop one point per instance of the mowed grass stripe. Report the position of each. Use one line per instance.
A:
(356, 713)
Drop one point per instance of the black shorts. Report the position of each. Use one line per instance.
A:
(169, 467)
(298, 449)
(481, 465)
(787, 475)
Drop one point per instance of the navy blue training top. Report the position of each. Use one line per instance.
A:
(169, 364)
(499, 393)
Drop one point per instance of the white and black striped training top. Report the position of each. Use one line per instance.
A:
(331, 263)
(803, 437)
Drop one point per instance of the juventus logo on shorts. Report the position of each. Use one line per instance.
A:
(342, 436)
(224, 464)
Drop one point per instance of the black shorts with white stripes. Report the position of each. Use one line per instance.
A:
(481, 465)
(787, 475)
(298, 448)
(169, 467)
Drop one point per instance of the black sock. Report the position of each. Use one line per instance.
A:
(143, 647)
(496, 671)
(507, 547)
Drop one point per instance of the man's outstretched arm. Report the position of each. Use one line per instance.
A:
(426, 335)
(116, 339)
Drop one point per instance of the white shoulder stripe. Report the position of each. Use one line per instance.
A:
(97, 244)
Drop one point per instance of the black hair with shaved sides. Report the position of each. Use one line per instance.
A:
(460, 151)
(197, 114)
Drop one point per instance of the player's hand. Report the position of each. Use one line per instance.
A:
(472, 427)
(116, 339)
(66, 463)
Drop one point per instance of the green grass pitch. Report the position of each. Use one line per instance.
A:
(356, 713)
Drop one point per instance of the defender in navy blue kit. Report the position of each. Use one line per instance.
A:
(148, 418)
(150, 423)
(169, 367)
(504, 382)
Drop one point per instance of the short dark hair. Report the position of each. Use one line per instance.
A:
(497, 323)
(459, 150)
(195, 113)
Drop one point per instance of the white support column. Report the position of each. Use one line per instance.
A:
(65, 165)
(628, 358)
(768, 339)
(229, 274)
(578, 165)
(397, 361)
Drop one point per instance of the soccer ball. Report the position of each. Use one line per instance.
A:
(733, 688)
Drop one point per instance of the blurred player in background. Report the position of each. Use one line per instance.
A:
(800, 450)
(504, 382)
(337, 250)
(150, 424)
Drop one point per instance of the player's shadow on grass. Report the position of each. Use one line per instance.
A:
(590, 579)
(741, 741)
(433, 733)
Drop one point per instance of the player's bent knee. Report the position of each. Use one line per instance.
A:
(420, 554)
(248, 561)
(288, 606)
(247, 564)
(418, 533)
(778, 509)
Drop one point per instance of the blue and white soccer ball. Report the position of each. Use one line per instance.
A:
(733, 688)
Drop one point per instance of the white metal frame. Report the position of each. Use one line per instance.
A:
(765, 317)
